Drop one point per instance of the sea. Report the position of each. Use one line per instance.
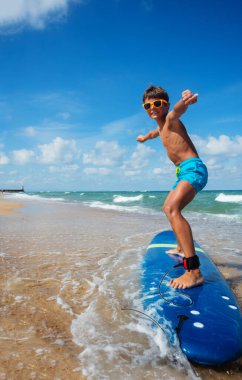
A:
(219, 204)
(93, 244)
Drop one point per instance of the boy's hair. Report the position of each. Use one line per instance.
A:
(155, 93)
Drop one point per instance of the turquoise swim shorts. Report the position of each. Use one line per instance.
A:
(194, 171)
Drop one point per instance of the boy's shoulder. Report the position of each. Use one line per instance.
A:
(172, 121)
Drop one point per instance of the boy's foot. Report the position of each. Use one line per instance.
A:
(176, 251)
(187, 280)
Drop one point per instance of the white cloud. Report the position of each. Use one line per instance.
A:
(4, 160)
(106, 153)
(214, 164)
(167, 170)
(132, 173)
(64, 169)
(100, 171)
(30, 131)
(35, 13)
(90, 170)
(59, 151)
(157, 170)
(139, 160)
(222, 145)
(22, 156)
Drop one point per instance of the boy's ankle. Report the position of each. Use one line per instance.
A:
(195, 272)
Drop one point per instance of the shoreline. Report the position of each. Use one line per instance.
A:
(54, 257)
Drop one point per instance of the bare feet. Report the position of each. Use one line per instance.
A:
(176, 251)
(187, 280)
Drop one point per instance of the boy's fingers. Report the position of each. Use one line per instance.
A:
(188, 93)
(194, 97)
(190, 98)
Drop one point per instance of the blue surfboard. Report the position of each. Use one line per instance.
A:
(206, 319)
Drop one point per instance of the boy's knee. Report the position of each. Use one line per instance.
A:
(170, 210)
(164, 208)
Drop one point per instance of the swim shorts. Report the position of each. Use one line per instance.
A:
(194, 171)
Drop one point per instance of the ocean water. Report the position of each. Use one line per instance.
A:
(226, 204)
(96, 241)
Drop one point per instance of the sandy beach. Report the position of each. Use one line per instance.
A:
(7, 207)
(66, 270)
(35, 331)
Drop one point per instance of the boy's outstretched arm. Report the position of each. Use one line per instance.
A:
(150, 135)
(188, 98)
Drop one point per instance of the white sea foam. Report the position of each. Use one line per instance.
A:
(122, 199)
(237, 198)
(118, 342)
(29, 197)
(129, 209)
(64, 305)
(211, 216)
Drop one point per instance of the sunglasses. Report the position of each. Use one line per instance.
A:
(157, 103)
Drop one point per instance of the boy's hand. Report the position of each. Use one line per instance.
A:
(141, 138)
(189, 98)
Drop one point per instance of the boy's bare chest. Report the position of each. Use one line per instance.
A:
(171, 138)
(166, 137)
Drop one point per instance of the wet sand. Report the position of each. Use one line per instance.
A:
(48, 256)
(35, 337)
(7, 207)
(43, 256)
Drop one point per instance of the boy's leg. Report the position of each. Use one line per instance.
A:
(175, 202)
(178, 250)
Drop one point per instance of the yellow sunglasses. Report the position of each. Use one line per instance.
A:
(156, 103)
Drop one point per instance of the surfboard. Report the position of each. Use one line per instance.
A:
(205, 320)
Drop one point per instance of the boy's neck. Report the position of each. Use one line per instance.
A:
(161, 122)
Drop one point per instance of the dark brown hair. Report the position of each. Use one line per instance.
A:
(155, 93)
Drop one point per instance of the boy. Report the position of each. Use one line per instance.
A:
(191, 174)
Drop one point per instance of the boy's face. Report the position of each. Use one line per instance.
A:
(154, 112)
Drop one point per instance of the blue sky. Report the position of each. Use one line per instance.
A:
(72, 76)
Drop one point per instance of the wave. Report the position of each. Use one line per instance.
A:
(229, 198)
(209, 215)
(130, 209)
(29, 197)
(122, 199)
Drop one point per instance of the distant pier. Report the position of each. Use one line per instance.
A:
(12, 190)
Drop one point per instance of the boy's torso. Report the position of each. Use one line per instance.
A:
(177, 142)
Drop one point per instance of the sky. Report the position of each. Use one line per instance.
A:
(72, 77)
